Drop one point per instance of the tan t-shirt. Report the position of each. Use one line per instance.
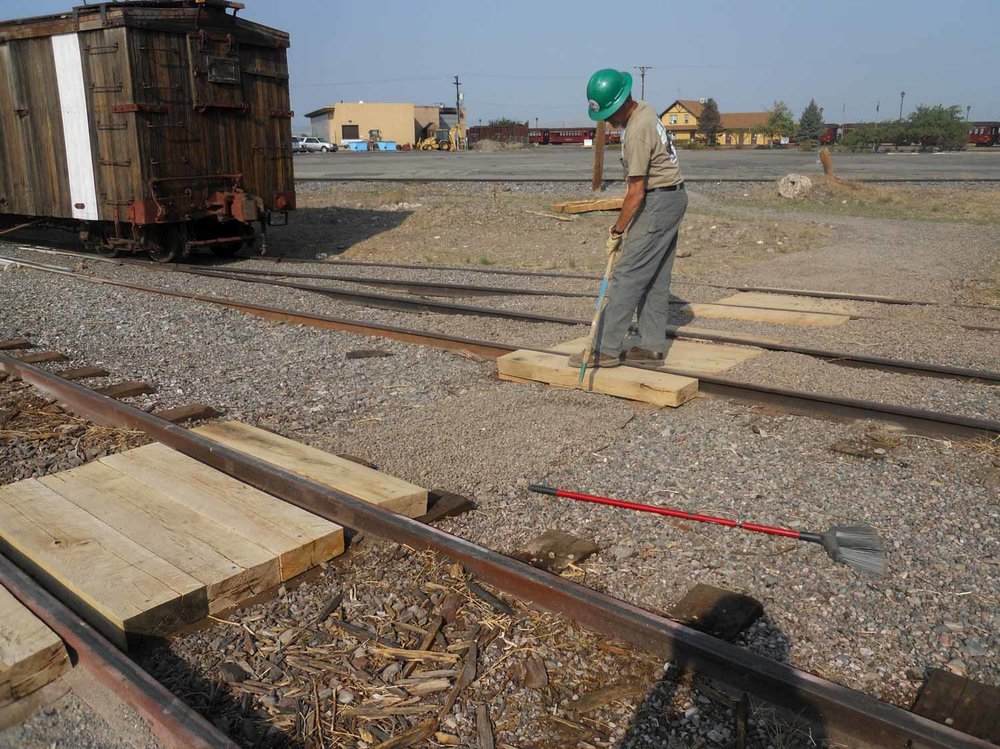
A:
(647, 151)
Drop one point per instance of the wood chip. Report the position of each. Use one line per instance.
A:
(535, 675)
(404, 654)
(332, 605)
(601, 697)
(428, 686)
(494, 603)
(484, 727)
(467, 676)
(426, 644)
(421, 732)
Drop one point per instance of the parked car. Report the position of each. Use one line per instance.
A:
(313, 144)
(297, 144)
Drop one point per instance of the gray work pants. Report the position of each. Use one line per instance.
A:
(640, 282)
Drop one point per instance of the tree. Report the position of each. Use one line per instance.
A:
(710, 121)
(503, 122)
(870, 135)
(937, 126)
(780, 120)
(811, 123)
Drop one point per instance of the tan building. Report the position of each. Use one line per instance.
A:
(738, 128)
(403, 123)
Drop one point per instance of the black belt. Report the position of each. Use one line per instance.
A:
(670, 188)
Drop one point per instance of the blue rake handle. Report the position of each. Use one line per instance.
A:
(597, 312)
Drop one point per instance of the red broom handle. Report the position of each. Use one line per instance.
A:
(639, 507)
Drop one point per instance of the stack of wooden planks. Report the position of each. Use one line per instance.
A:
(148, 540)
(587, 206)
(31, 654)
(657, 388)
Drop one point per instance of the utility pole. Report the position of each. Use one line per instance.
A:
(642, 75)
(902, 95)
(968, 109)
(458, 110)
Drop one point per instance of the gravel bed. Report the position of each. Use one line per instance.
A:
(790, 370)
(70, 723)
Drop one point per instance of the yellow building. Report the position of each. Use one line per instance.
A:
(403, 123)
(738, 128)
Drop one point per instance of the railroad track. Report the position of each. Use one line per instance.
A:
(845, 713)
(919, 421)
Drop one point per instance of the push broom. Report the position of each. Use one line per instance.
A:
(857, 546)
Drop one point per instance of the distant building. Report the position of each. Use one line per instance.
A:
(403, 123)
(681, 118)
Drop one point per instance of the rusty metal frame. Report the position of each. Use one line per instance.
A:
(843, 712)
(174, 723)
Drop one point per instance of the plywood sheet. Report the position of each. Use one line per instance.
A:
(693, 356)
(794, 303)
(658, 388)
(299, 539)
(357, 480)
(119, 586)
(31, 654)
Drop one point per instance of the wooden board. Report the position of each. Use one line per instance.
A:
(555, 550)
(231, 567)
(658, 388)
(586, 206)
(694, 356)
(965, 705)
(755, 314)
(299, 539)
(31, 654)
(361, 482)
(116, 584)
(794, 303)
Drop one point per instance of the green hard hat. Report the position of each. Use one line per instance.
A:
(607, 91)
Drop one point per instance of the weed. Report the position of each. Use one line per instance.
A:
(572, 263)
(486, 261)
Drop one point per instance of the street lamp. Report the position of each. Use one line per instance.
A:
(902, 94)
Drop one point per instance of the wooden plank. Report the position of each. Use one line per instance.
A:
(192, 412)
(364, 483)
(15, 343)
(82, 373)
(299, 539)
(128, 389)
(114, 583)
(31, 654)
(555, 550)
(693, 356)
(755, 314)
(42, 357)
(965, 705)
(720, 613)
(587, 206)
(793, 303)
(658, 388)
(232, 568)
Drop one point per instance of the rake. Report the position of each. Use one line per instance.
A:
(857, 546)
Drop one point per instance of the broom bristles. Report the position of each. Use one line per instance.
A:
(857, 546)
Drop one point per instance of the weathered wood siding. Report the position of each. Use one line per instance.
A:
(182, 103)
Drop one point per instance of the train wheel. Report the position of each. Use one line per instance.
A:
(167, 246)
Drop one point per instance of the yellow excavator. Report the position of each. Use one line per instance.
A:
(442, 139)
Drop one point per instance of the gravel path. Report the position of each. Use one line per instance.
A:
(441, 420)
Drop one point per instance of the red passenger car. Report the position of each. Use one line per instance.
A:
(984, 134)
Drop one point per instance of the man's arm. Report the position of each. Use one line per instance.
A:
(633, 202)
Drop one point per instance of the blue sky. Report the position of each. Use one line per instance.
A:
(530, 60)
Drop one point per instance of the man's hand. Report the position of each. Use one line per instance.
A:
(614, 242)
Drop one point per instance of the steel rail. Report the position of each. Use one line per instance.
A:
(174, 723)
(836, 295)
(840, 358)
(916, 420)
(842, 711)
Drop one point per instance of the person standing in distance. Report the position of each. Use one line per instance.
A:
(649, 221)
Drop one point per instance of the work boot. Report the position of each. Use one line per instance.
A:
(643, 356)
(594, 359)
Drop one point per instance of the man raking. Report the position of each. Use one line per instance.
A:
(651, 215)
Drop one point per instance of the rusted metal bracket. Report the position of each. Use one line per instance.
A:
(138, 108)
(844, 713)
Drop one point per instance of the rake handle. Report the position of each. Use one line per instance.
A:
(639, 507)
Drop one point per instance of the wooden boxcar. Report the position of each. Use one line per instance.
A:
(150, 126)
